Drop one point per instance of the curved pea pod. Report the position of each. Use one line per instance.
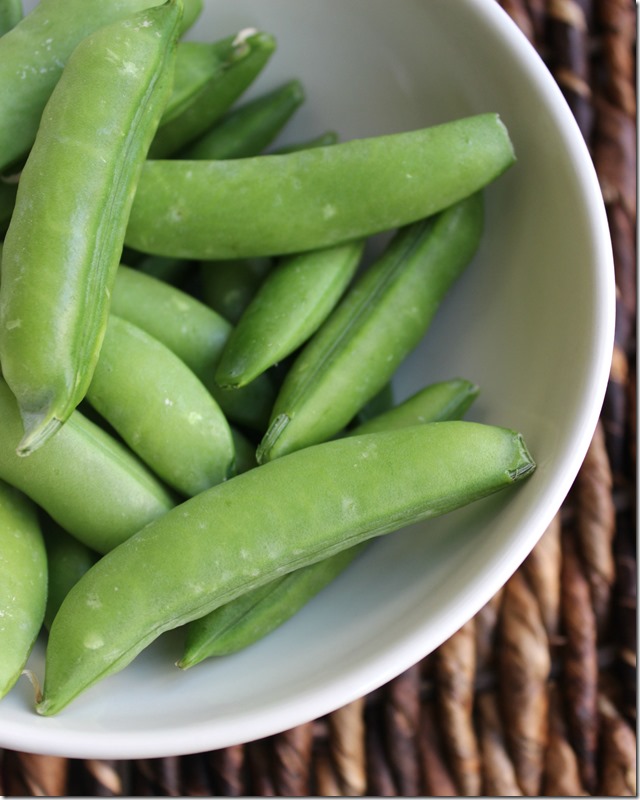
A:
(222, 543)
(250, 52)
(34, 52)
(251, 616)
(11, 12)
(313, 198)
(67, 561)
(229, 286)
(161, 410)
(377, 324)
(196, 334)
(88, 482)
(247, 130)
(65, 238)
(23, 583)
(294, 300)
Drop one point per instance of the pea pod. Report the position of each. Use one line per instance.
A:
(196, 334)
(11, 13)
(247, 130)
(67, 561)
(23, 583)
(161, 410)
(323, 140)
(65, 238)
(253, 615)
(294, 300)
(251, 52)
(229, 286)
(314, 198)
(89, 483)
(377, 324)
(222, 543)
(33, 54)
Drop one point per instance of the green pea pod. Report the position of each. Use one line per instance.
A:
(378, 323)
(11, 13)
(229, 286)
(33, 54)
(251, 52)
(65, 238)
(222, 543)
(23, 583)
(67, 561)
(245, 452)
(196, 334)
(294, 300)
(161, 410)
(253, 615)
(247, 130)
(88, 482)
(323, 140)
(313, 198)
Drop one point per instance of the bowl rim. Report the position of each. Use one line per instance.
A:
(412, 646)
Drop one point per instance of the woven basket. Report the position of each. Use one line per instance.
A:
(536, 694)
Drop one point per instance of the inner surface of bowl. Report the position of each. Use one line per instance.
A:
(531, 322)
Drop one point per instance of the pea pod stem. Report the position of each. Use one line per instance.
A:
(313, 198)
(221, 544)
(64, 241)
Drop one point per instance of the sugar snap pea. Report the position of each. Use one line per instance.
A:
(313, 198)
(294, 300)
(248, 129)
(196, 334)
(33, 54)
(67, 561)
(251, 616)
(377, 324)
(89, 483)
(229, 286)
(251, 51)
(161, 410)
(23, 583)
(220, 544)
(65, 238)
(11, 12)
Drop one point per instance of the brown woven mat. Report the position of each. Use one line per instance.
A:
(536, 694)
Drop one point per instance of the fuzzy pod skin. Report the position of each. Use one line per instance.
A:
(375, 327)
(161, 410)
(34, 52)
(253, 615)
(11, 12)
(222, 543)
(89, 483)
(313, 198)
(251, 50)
(247, 130)
(196, 334)
(294, 300)
(65, 238)
(23, 583)
(67, 561)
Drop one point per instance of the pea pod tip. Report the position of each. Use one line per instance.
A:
(38, 429)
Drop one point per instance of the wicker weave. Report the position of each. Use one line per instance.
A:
(536, 694)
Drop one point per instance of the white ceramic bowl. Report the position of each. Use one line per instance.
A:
(531, 322)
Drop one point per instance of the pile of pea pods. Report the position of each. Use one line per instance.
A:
(198, 425)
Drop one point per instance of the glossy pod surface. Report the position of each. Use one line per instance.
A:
(377, 324)
(33, 54)
(83, 478)
(222, 543)
(161, 410)
(313, 198)
(23, 583)
(65, 237)
(253, 615)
